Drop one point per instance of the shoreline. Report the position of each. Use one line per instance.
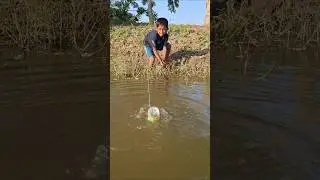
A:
(190, 56)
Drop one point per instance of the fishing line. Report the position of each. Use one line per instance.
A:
(149, 88)
(153, 112)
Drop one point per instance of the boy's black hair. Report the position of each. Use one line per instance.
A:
(162, 21)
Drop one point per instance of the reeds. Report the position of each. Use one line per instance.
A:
(49, 24)
(290, 24)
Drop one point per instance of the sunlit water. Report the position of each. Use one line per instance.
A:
(176, 148)
(267, 128)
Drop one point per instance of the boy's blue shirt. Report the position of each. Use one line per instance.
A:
(159, 42)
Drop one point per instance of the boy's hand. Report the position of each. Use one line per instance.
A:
(157, 55)
(163, 63)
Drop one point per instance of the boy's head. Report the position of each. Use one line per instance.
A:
(162, 26)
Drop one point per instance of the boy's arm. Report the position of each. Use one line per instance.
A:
(165, 43)
(152, 36)
(156, 53)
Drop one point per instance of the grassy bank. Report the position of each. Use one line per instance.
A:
(189, 55)
(53, 25)
(288, 24)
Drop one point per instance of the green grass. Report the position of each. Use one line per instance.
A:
(190, 51)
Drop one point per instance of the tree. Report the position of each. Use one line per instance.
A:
(172, 6)
(150, 12)
(120, 12)
(207, 16)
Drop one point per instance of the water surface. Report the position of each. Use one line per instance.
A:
(180, 149)
(267, 125)
(53, 115)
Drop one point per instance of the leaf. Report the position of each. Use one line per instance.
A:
(135, 5)
(144, 2)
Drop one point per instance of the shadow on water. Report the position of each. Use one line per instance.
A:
(268, 128)
(53, 116)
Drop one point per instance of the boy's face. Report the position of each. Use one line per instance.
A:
(161, 30)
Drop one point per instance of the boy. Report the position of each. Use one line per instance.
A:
(157, 40)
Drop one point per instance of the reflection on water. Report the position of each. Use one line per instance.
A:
(268, 128)
(179, 150)
(53, 116)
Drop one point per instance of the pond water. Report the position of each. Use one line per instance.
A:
(54, 122)
(54, 119)
(175, 149)
(266, 125)
(53, 112)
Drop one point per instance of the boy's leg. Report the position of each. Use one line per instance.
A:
(150, 55)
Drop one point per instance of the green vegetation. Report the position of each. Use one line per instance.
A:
(189, 54)
(48, 25)
(290, 24)
(119, 12)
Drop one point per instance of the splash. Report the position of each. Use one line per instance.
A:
(142, 114)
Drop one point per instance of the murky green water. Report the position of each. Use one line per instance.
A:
(178, 149)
